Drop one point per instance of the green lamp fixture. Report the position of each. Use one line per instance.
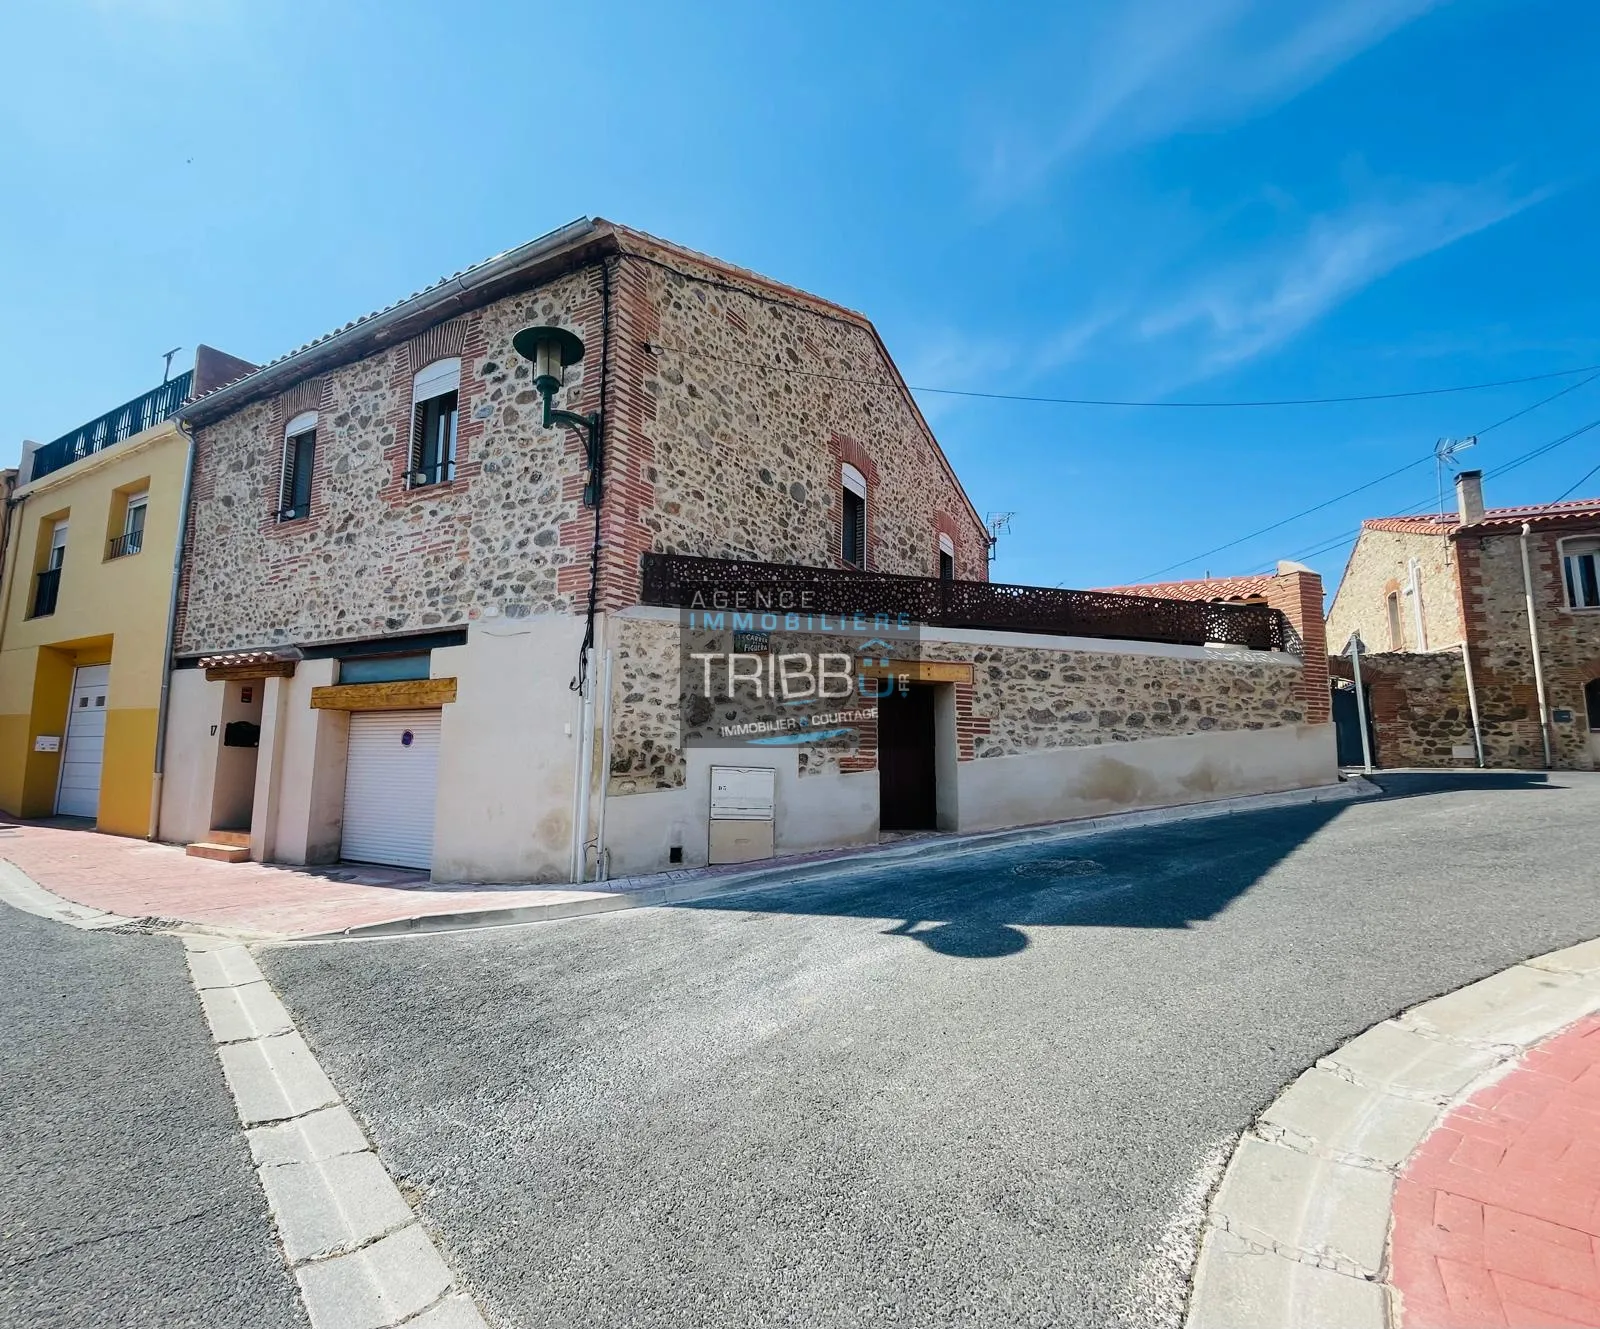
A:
(550, 351)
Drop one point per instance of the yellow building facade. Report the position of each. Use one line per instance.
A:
(84, 607)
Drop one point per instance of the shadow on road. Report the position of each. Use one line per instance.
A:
(973, 906)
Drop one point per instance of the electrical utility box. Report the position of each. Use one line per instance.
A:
(743, 813)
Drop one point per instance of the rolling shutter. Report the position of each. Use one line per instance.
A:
(391, 781)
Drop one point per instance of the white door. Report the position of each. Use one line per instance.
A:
(390, 783)
(78, 794)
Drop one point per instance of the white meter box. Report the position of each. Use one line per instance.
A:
(742, 793)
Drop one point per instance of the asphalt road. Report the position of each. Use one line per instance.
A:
(126, 1192)
(988, 1091)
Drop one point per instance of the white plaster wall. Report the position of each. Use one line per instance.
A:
(818, 812)
(194, 737)
(506, 762)
(1064, 783)
(311, 763)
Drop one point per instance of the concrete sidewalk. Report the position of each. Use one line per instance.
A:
(165, 889)
(1441, 1171)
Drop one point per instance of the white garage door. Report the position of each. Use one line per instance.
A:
(390, 782)
(78, 794)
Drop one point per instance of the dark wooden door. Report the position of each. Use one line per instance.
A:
(907, 783)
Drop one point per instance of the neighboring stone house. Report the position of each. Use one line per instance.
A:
(1453, 667)
(408, 632)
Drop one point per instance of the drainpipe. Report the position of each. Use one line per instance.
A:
(585, 762)
(1533, 639)
(1472, 703)
(159, 777)
(18, 504)
(602, 861)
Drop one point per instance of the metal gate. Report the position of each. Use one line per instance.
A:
(1347, 724)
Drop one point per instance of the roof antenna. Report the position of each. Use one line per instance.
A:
(1444, 454)
(167, 356)
(998, 523)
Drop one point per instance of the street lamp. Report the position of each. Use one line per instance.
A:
(551, 350)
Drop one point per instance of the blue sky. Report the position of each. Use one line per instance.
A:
(1153, 199)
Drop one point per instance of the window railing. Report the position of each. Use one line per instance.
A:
(45, 587)
(436, 474)
(130, 542)
(130, 418)
(680, 581)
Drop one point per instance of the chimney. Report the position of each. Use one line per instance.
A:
(1469, 497)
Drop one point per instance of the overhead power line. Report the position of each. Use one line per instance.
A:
(859, 381)
(1399, 470)
(1325, 545)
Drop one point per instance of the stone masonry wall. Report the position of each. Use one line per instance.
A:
(1379, 565)
(745, 403)
(1023, 699)
(1419, 707)
(375, 557)
(724, 433)
(1502, 654)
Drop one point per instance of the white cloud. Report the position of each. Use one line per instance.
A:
(1256, 305)
(1152, 67)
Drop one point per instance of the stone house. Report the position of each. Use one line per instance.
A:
(1457, 672)
(422, 623)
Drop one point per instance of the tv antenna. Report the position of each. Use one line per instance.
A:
(1444, 455)
(998, 524)
(167, 356)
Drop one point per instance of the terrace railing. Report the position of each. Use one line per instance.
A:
(116, 426)
(681, 581)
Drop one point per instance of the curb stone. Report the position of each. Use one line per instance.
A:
(1298, 1231)
(359, 1255)
(682, 886)
(679, 888)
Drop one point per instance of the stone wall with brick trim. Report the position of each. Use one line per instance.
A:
(1380, 564)
(1022, 699)
(1420, 711)
(746, 405)
(375, 557)
(1502, 653)
(704, 454)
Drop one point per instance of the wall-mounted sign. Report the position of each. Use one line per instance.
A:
(1561, 716)
(47, 743)
(742, 793)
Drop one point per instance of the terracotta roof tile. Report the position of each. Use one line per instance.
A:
(1204, 588)
(1443, 523)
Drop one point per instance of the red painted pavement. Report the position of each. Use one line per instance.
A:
(1497, 1214)
(143, 880)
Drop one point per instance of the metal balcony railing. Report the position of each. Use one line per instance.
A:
(680, 581)
(131, 542)
(130, 418)
(46, 584)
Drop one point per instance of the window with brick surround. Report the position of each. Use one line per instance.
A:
(947, 558)
(853, 487)
(1396, 640)
(299, 460)
(1580, 561)
(434, 397)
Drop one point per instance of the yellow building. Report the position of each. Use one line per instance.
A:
(85, 604)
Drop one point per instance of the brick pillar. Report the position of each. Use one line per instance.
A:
(1298, 594)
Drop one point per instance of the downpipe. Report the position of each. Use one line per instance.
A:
(1472, 703)
(158, 777)
(1533, 640)
(602, 857)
